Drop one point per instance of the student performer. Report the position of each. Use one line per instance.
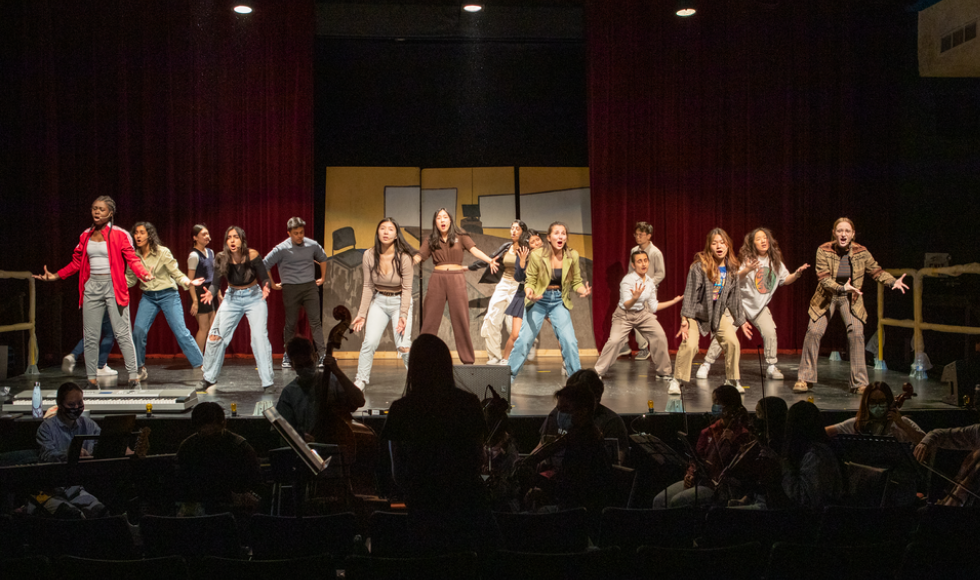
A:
(642, 233)
(503, 293)
(200, 264)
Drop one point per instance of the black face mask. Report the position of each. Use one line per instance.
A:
(74, 413)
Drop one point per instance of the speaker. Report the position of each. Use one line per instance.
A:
(963, 377)
(475, 378)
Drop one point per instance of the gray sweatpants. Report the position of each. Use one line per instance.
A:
(97, 299)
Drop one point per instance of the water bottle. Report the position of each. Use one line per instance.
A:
(36, 401)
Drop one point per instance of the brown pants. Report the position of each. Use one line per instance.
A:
(644, 323)
(449, 286)
(855, 340)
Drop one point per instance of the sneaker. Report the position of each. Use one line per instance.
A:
(493, 361)
(286, 364)
(143, 375)
(773, 373)
(68, 364)
(737, 384)
(134, 385)
(504, 362)
(703, 370)
(644, 354)
(625, 351)
(202, 385)
(319, 363)
(106, 372)
(360, 385)
(404, 356)
(564, 369)
(801, 387)
(674, 388)
(532, 354)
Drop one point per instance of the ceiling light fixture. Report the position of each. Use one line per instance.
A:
(472, 7)
(685, 8)
(243, 9)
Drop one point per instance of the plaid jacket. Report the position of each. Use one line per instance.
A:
(698, 303)
(827, 263)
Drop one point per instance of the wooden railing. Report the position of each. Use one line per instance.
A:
(29, 326)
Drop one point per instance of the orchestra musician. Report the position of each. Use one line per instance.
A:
(958, 438)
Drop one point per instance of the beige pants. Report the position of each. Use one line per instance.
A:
(644, 323)
(855, 340)
(725, 337)
(767, 328)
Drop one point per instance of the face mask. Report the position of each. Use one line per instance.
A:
(716, 410)
(74, 413)
(306, 373)
(760, 427)
(564, 421)
(878, 411)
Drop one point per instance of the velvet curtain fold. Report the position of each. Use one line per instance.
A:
(181, 110)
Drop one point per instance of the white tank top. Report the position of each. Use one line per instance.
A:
(98, 257)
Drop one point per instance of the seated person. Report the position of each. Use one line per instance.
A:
(217, 469)
(298, 400)
(584, 476)
(959, 438)
(54, 436)
(876, 416)
(610, 424)
(811, 472)
(760, 468)
(717, 445)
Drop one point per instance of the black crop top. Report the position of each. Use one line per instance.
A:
(555, 277)
(244, 274)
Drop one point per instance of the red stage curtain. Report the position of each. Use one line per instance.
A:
(738, 117)
(181, 110)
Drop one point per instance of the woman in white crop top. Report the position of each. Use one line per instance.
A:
(386, 298)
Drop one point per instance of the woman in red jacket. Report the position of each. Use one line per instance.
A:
(100, 258)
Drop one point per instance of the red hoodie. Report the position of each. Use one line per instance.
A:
(121, 252)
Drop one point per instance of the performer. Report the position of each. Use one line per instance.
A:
(200, 264)
(516, 308)
(248, 287)
(386, 297)
(295, 257)
(553, 273)
(504, 293)
(642, 232)
(100, 259)
(712, 305)
(637, 304)
(448, 284)
(160, 294)
(762, 272)
(840, 261)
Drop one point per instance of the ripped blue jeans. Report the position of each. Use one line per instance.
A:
(247, 302)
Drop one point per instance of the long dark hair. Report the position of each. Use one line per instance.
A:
(803, 429)
(774, 411)
(525, 234)
(864, 414)
(748, 252)
(435, 240)
(430, 368)
(401, 247)
(111, 204)
(152, 238)
(707, 260)
(224, 257)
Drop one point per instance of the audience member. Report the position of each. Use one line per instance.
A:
(436, 434)
(811, 472)
(54, 437)
(610, 424)
(218, 470)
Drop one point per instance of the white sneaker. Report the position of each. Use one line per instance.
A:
(737, 384)
(644, 354)
(801, 387)
(674, 388)
(360, 385)
(773, 373)
(532, 354)
(625, 351)
(504, 362)
(143, 375)
(493, 361)
(703, 370)
(564, 369)
(68, 364)
(106, 372)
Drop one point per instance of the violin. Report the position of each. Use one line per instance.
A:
(907, 393)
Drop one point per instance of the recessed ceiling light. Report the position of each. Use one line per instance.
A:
(472, 7)
(243, 9)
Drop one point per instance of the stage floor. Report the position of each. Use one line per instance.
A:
(629, 384)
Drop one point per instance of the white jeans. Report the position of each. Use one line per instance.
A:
(384, 310)
(502, 296)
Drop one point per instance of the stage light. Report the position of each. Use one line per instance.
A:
(685, 8)
(243, 9)
(472, 7)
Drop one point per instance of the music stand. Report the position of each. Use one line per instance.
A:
(881, 452)
(310, 458)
